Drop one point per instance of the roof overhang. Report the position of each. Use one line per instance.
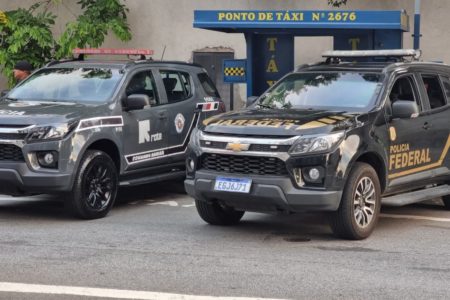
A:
(300, 20)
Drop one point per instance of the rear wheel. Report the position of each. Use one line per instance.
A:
(215, 214)
(360, 204)
(95, 186)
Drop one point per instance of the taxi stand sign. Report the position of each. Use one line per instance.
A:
(234, 70)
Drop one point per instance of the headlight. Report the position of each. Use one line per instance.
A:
(53, 132)
(316, 143)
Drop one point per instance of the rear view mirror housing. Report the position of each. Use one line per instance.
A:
(136, 102)
(404, 109)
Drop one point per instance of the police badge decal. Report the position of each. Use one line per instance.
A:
(179, 123)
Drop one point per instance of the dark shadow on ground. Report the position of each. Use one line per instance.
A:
(52, 206)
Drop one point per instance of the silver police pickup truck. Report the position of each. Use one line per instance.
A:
(84, 128)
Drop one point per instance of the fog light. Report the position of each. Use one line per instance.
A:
(47, 159)
(314, 174)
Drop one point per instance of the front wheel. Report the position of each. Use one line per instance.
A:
(95, 187)
(360, 204)
(215, 214)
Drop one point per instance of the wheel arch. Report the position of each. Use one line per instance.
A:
(375, 160)
(109, 147)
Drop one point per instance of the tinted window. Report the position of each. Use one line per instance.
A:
(208, 85)
(351, 90)
(403, 90)
(434, 91)
(177, 85)
(69, 85)
(143, 83)
(446, 83)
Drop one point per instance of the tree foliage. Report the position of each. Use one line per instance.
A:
(337, 3)
(90, 28)
(26, 34)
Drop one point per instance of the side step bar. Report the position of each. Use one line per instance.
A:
(416, 196)
(154, 178)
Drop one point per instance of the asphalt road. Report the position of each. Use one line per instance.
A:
(154, 241)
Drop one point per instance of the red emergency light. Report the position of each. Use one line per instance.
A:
(209, 106)
(110, 51)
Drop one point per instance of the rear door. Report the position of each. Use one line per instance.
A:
(436, 88)
(144, 131)
(181, 103)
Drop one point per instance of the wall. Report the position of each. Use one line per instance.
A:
(159, 23)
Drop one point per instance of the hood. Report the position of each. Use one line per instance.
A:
(278, 122)
(35, 112)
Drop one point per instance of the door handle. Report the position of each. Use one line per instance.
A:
(426, 126)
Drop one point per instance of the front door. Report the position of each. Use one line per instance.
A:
(144, 131)
(411, 154)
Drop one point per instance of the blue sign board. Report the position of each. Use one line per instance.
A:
(269, 36)
(234, 70)
(306, 19)
(275, 56)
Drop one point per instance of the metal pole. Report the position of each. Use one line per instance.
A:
(231, 97)
(417, 34)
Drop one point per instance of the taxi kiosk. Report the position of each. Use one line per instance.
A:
(270, 35)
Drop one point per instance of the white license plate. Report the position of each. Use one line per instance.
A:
(236, 185)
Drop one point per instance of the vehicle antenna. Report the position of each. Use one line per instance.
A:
(164, 51)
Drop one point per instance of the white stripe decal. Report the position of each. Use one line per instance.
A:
(99, 120)
(162, 149)
(104, 293)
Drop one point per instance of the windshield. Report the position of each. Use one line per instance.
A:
(340, 90)
(68, 85)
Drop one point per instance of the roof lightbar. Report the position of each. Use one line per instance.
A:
(415, 54)
(110, 51)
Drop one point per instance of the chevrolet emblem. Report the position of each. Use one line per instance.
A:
(237, 147)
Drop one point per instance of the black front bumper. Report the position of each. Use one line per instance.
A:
(17, 179)
(267, 194)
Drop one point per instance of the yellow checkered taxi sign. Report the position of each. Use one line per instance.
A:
(234, 70)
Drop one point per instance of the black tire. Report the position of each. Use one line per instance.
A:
(95, 187)
(357, 216)
(215, 214)
(446, 200)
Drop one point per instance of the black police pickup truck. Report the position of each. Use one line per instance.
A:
(343, 137)
(83, 128)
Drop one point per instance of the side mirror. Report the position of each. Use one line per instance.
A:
(136, 102)
(404, 109)
(250, 101)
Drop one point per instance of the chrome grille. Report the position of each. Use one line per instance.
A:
(253, 147)
(243, 164)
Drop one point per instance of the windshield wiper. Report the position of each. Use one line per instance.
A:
(264, 106)
(10, 99)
